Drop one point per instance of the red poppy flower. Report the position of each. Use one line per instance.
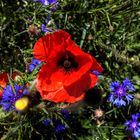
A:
(66, 75)
(4, 80)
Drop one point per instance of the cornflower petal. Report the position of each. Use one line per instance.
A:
(6, 106)
(127, 83)
(47, 19)
(45, 2)
(43, 28)
(135, 117)
(111, 97)
(51, 1)
(122, 102)
(59, 128)
(114, 85)
(127, 123)
(25, 91)
(136, 134)
(65, 113)
(17, 88)
(34, 64)
(36, 61)
(46, 122)
(31, 67)
(117, 102)
(129, 98)
(97, 73)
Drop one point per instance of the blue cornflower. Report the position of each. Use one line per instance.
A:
(48, 19)
(44, 29)
(97, 73)
(46, 2)
(11, 95)
(34, 64)
(59, 127)
(120, 95)
(46, 122)
(134, 125)
(65, 113)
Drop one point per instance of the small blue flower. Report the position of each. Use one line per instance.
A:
(46, 122)
(44, 29)
(134, 125)
(52, 1)
(48, 19)
(120, 95)
(34, 64)
(97, 73)
(65, 113)
(11, 95)
(59, 127)
(46, 2)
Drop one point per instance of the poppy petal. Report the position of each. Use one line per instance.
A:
(50, 78)
(71, 94)
(3, 79)
(96, 66)
(50, 45)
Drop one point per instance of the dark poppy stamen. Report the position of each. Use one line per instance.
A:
(67, 63)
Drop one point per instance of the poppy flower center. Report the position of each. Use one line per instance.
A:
(67, 62)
